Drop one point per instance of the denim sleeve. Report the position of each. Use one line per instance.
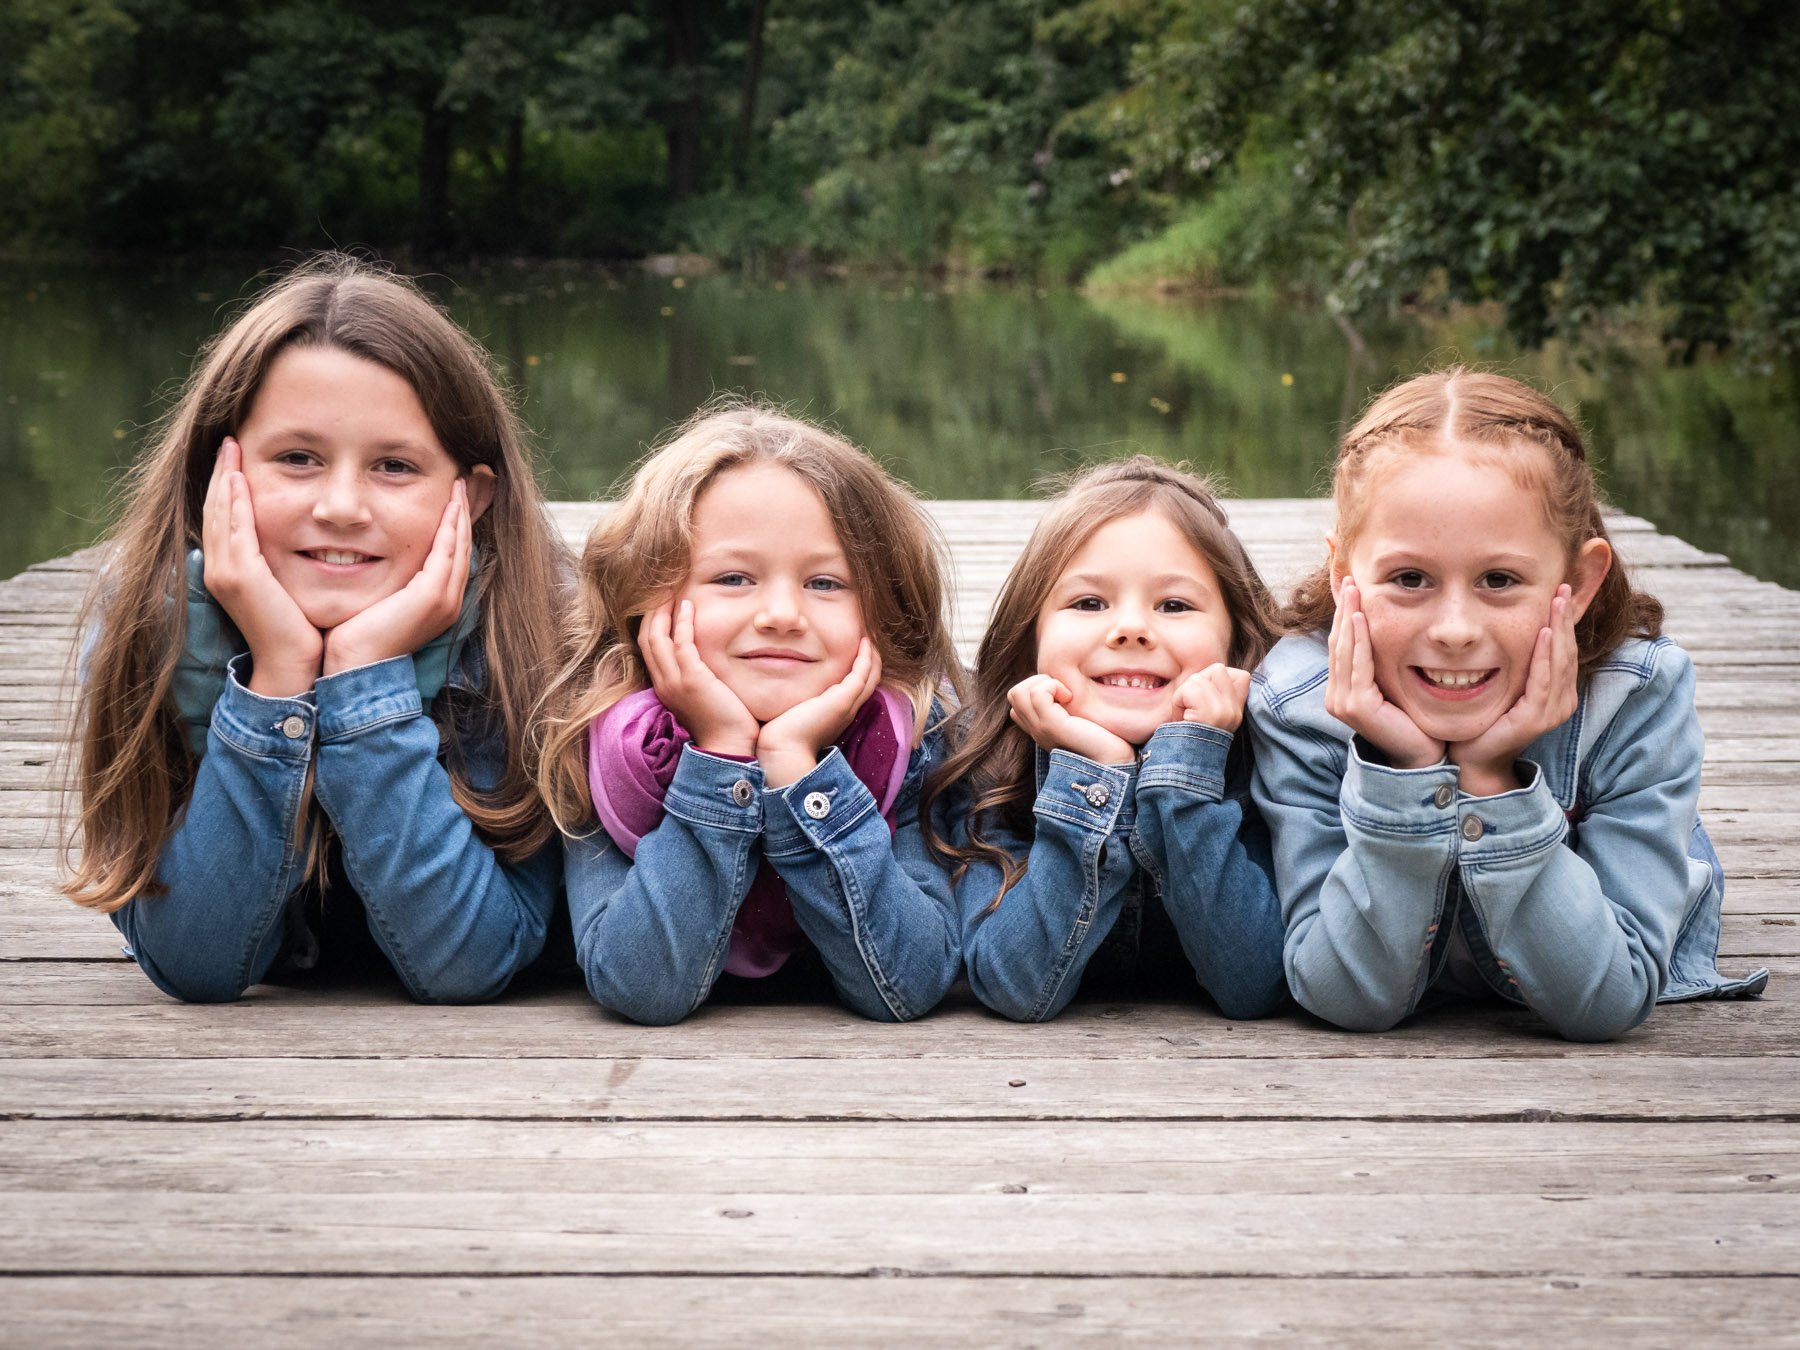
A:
(1026, 956)
(234, 856)
(454, 919)
(876, 904)
(652, 933)
(1363, 854)
(1212, 857)
(1585, 933)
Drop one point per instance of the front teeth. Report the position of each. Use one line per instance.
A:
(1132, 681)
(340, 558)
(1455, 679)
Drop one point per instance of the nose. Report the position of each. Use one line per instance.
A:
(779, 611)
(1453, 622)
(1130, 627)
(342, 500)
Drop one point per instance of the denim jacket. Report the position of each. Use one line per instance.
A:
(1586, 895)
(1117, 848)
(651, 933)
(455, 921)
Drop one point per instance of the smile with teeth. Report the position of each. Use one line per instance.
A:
(1454, 679)
(1131, 681)
(339, 557)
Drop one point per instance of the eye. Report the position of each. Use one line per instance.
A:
(1409, 580)
(296, 459)
(826, 585)
(1498, 581)
(394, 467)
(1088, 604)
(731, 579)
(1174, 606)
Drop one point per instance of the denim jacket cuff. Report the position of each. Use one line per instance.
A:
(364, 697)
(1510, 825)
(716, 793)
(813, 811)
(1187, 756)
(1398, 801)
(1091, 796)
(270, 728)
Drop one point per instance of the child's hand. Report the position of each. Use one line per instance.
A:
(285, 650)
(1353, 697)
(1485, 764)
(1040, 706)
(789, 745)
(1214, 696)
(400, 624)
(714, 716)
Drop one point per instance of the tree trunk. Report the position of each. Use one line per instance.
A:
(434, 180)
(685, 41)
(752, 78)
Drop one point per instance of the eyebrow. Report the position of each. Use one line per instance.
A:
(730, 549)
(1399, 558)
(312, 437)
(1167, 580)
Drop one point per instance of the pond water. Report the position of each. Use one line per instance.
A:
(973, 391)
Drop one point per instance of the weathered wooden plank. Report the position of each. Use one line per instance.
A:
(142, 1313)
(757, 1232)
(1022, 1087)
(353, 1157)
(108, 1010)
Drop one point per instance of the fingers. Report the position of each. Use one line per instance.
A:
(656, 645)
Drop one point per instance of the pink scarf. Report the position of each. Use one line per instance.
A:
(633, 748)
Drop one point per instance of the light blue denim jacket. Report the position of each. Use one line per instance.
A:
(1587, 895)
(456, 922)
(651, 933)
(1113, 844)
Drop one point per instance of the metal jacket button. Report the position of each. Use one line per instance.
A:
(1444, 796)
(817, 805)
(1472, 828)
(1096, 794)
(293, 726)
(742, 792)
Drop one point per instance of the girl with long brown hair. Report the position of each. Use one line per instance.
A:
(1478, 756)
(1096, 808)
(736, 742)
(311, 655)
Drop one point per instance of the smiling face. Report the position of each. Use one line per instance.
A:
(347, 478)
(1457, 565)
(776, 614)
(1135, 612)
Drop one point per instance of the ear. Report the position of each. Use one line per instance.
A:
(1593, 560)
(479, 483)
(1333, 562)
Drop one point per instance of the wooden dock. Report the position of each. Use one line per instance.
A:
(338, 1166)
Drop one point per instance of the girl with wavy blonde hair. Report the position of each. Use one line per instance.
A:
(735, 743)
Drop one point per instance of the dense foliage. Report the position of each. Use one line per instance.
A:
(1566, 160)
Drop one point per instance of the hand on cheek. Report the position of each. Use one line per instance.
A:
(1355, 699)
(429, 603)
(1214, 697)
(789, 745)
(714, 716)
(285, 650)
(1486, 764)
(1040, 706)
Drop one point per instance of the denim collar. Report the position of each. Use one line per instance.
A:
(213, 640)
